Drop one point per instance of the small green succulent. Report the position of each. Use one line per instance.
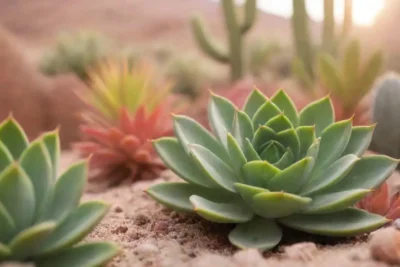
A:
(269, 166)
(41, 220)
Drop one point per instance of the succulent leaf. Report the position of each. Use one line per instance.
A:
(279, 123)
(289, 138)
(5, 157)
(13, 136)
(250, 152)
(75, 227)
(360, 139)
(319, 114)
(253, 102)
(27, 242)
(258, 172)
(189, 131)
(348, 222)
(266, 112)
(37, 165)
(329, 176)
(262, 136)
(7, 224)
(175, 157)
(17, 196)
(242, 128)
(176, 195)
(332, 202)
(369, 172)
(52, 143)
(258, 233)
(306, 136)
(292, 178)
(334, 140)
(214, 167)
(247, 192)
(232, 212)
(85, 255)
(67, 191)
(238, 159)
(221, 113)
(285, 104)
(278, 204)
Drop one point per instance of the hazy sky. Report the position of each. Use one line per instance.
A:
(364, 11)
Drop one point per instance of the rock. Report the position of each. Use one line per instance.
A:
(301, 251)
(385, 245)
(146, 250)
(249, 257)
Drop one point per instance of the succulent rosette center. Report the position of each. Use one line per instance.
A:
(268, 165)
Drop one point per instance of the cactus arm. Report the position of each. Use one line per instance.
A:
(330, 75)
(351, 69)
(235, 39)
(348, 18)
(301, 35)
(203, 39)
(328, 35)
(250, 14)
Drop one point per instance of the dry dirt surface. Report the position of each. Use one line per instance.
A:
(153, 236)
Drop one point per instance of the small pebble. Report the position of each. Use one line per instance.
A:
(385, 245)
(118, 209)
(302, 251)
(146, 249)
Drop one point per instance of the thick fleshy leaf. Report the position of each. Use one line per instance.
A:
(250, 152)
(318, 113)
(290, 179)
(263, 135)
(36, 163)
(242, 128)
(306, 136)
(67, 191)
(52, 142)
(247, 192)
(348, 222)
(188, 131)
(333, 202)
(286, 160)
(220, 114)
(175, 158)
(75, 227)
(272, 152)
(231, 212)
(238, 159)
(313, 153)
(13, 137)
(85, 255)
(329, 176)
(285, 104)
(369, 172)
(17, 195)
(176, 195)
(259, 233)
(258, 173)
(330, 75)
(267, 111)
(278, 204)
(360, 139)
(5, 157)
(255, 100)
(7, 225)
(334, 140)
(279, 123)
(289, 138)
(28, 242)
(214, 167)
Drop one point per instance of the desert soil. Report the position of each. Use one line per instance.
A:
(153, 236)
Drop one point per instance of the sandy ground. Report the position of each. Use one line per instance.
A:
(153, 236)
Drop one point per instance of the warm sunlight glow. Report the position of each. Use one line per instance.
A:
(365, 11)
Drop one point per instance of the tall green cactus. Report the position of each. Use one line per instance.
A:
(386, 138)
(328, 34)
(348, 18)
(301, 36)
(236, 30)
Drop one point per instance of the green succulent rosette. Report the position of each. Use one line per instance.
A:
(268, 166)
(41, 218)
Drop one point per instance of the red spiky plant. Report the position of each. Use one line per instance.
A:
(381, 203)
(127, 113)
